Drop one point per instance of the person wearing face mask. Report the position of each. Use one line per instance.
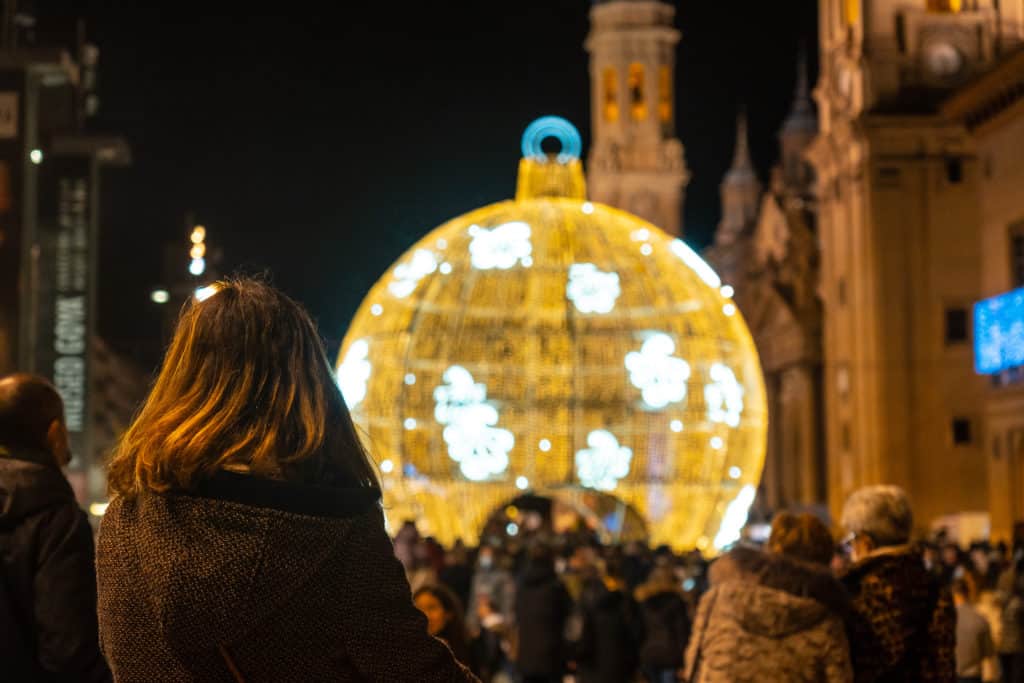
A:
(903, 623)
(494, 582)
(48, 626)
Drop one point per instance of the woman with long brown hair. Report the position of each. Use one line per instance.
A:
(244, 539)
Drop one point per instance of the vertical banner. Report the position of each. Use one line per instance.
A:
(63, 301)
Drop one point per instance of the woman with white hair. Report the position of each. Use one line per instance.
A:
(904, 625)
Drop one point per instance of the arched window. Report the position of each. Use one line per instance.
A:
(665, 94)
(637, 95)
(610, 88)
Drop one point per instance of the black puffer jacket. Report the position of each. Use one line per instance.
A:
(280, 581)
(542, 606)
(666, 627)
(47, 580)
(611, 635)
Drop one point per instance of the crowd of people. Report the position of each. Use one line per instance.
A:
(803, 607)
(245, 541)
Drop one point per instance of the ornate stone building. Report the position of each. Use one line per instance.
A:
(899, 186)
(888, 216)
(636, 161)
(765, 248)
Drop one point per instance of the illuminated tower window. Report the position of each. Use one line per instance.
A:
(611, 95)
(852, 11)
(665, 94)
(945, 5)
(635, 84)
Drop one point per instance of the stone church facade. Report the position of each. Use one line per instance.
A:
(894, 207)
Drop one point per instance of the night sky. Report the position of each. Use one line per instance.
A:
(319, 145)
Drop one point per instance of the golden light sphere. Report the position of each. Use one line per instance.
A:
(557, 346)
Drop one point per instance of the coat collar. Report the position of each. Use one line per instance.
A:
(285, 496)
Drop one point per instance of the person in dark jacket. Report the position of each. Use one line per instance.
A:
(245, 539)
(48, 628)
(542, 606)
(666, 625)
(611, 631)
(903, 625)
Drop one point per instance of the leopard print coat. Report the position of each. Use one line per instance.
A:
(903, 626)
(769, 618)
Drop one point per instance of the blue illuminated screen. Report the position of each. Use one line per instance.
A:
(999, 332)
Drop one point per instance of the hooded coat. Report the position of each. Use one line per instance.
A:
(765, 618)
(903, 625)
(611, 636)
(542, 607)
(48, 626)
(249, 579)
(666, 625)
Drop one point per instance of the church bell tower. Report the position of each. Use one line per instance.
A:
(636, 161)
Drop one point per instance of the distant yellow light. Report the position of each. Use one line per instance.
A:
(159, 296)
(98, 509)
(197, 250)
(198, 234)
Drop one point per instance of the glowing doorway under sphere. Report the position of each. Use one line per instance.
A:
(548, 342)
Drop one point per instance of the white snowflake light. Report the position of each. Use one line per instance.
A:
(660, 376)
(480, 448)
(724, 396)
(407, 275)
(735, 518)
(501, 247)
(605, 462)
(354, 372)
(592, 290)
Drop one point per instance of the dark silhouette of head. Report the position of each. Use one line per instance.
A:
(32, 420)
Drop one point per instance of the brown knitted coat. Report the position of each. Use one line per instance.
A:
(279, 581)
(769, 619)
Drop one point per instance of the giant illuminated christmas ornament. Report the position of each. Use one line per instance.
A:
(561, 347)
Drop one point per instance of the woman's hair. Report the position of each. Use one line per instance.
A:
(245, 384)
(454, 632)
(880, 512)
(802, 536)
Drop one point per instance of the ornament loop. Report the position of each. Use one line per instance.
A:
(552, 127)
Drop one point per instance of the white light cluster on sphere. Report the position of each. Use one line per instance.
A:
(735, 518)
(354, 373)
(474, 441)
(660, 376)
(501, 247)
(407, 275)
(696, 263)
(604, 462)
(723, 396)
(592, 290)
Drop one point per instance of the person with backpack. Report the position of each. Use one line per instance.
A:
(48, 629)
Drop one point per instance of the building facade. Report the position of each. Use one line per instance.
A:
(50, 173)
(900, 187)
(991, 109)
(636, 161)
(766, 249)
